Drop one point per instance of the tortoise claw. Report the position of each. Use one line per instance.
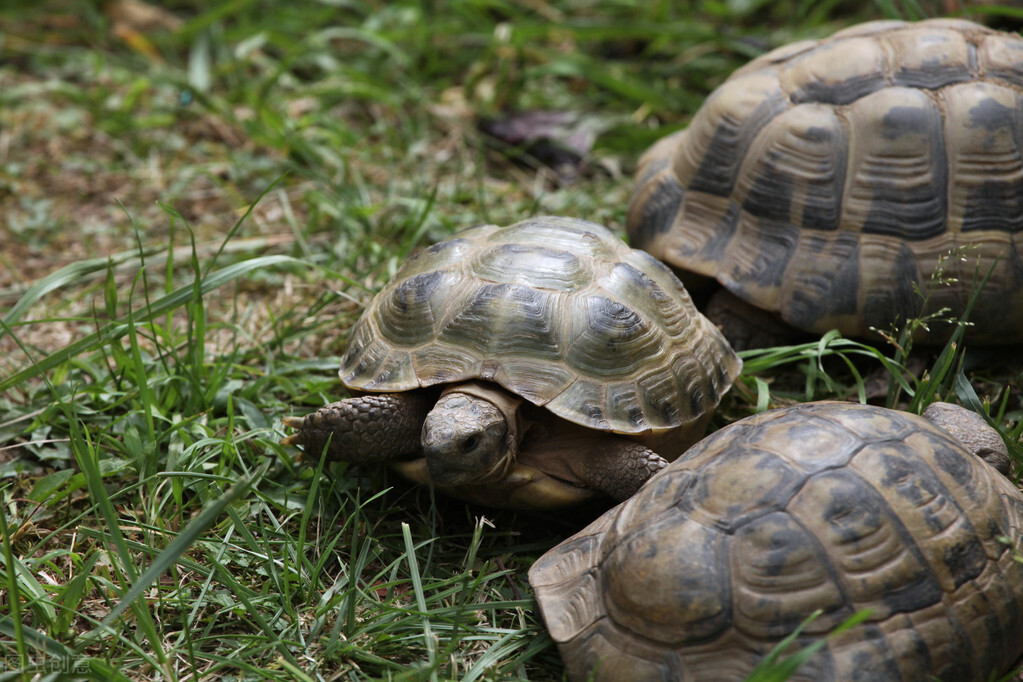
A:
(293, 423)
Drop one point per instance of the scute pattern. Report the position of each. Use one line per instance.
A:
(845, 155)
(560, 312)
(830, 506)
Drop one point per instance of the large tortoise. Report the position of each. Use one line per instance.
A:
(835, 507)
(526, 366)
(828, 181)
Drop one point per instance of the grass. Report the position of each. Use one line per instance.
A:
(195, 213)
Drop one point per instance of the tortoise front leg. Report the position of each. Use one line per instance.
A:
(619, 467)
(366, 428)
(614, 465)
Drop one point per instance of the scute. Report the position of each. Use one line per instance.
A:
(1001, 57)
(722, 130)
(413, 310)
(839, 72)
(888, 148)
(985, 134)
(829, 507)
(929, 59)
(876, 563)
(898, 179)
(500, 320)
(734, 490)
(793, 173)
(781, 577)
(531, 265)
(557, 310)
(668, 581)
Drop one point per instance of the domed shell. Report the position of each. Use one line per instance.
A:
(828, 506)
(556, 310)
(828, 181)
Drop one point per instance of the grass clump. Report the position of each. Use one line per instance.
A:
(197, 206)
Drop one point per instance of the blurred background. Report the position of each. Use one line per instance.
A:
(197, 199)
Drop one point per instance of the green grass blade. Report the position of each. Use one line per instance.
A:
(185, 539)
(65, 276)
(71, 596)
(13, 569)
(774, 668)
(417, 588)
(27, 636)
(88, 459)
(160, 306)
(253, 611)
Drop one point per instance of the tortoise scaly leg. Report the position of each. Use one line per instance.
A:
(619, 467)
(366, 428)
(746, 326)
(614, 465)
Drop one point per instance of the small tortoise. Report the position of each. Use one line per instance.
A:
(829, 507)
(498, 364)
(828, 181)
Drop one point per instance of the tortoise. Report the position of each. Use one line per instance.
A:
(822, 508)
(852, 183)
(527, 366)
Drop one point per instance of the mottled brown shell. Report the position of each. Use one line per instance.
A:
(558, 311)
(828, 181)
(829, 506)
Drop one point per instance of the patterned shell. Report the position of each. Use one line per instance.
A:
(558, 311)
(829, 506)
(827, 181)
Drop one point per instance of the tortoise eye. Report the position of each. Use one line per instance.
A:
(469, 443)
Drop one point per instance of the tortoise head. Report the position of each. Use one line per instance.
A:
(970, 429)
(470, 435)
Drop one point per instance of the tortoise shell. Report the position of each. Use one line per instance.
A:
(832, 182)
(560, 312)
(830, 506)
